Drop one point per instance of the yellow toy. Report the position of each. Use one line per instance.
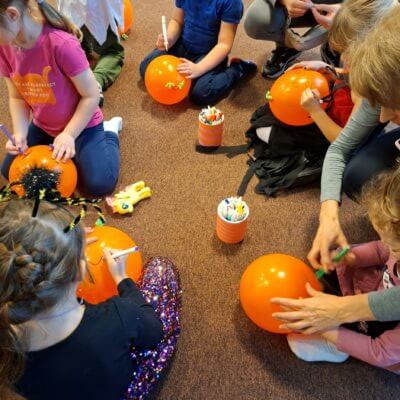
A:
(123, 202)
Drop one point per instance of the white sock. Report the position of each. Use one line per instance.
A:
(315, 348)
(264, 133)
(113, 125)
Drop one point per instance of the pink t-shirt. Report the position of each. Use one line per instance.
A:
(42, 77)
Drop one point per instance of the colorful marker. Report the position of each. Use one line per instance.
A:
(125, 252)
(9, 136)
(320, 273)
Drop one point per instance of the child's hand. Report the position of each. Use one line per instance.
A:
(64, 147)
(20, 145)
(117, 266)
(349, 260)
(310, 100)
(160, 44)
(297, 8)
(189, 69)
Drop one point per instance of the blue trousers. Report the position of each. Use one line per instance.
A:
(209, 88)
(376, 156)
(97, 158)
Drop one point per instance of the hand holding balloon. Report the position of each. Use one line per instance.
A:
(190, 69)
(64, 147)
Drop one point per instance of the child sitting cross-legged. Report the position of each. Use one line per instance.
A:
(202, 33)
(369, 267)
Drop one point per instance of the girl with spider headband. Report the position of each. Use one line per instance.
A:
(113, 350)
(48, 75)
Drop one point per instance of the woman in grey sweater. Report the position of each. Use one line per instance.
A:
(362, 151)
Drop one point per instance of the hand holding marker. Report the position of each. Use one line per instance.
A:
(10, 137)
(320, 273)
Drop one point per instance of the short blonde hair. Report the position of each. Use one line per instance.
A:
(374, 64)
(354, 19)
(382, 199)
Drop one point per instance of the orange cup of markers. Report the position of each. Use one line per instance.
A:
(231, 231)
(210, 135)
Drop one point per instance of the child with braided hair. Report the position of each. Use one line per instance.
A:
(84, 351)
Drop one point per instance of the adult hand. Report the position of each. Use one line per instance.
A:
(329, 235)
(317, 313)
(310, 100)
(325, 13)
(189, 69)
(297, 8)
(64, 147)
(160, 43)
(20, 145)
(116, 266)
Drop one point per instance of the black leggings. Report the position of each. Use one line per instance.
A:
(378, 154)
(373, 329)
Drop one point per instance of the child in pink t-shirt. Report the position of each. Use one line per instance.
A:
(369, 267)
(48, 76)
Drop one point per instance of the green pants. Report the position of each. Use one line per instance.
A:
(111, 57)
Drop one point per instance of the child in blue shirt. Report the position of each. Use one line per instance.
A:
(201, 33)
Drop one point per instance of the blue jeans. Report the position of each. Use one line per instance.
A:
(375, 156)
(97, 157)
(209, 88)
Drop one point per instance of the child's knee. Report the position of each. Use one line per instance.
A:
(201, 96)
(99, 185)
(143, 67)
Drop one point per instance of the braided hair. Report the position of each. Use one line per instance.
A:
(38, 262)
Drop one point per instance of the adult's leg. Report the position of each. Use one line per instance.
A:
(36, 136)
(97, 160)
(161, 288)
(376, 156)
(265, 22)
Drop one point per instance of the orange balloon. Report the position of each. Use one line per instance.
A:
(285, 94)
(128, 18)
(98, 285)
(273, 275)
(164, 83)
(40, 157)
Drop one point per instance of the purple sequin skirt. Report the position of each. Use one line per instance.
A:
(162, 289)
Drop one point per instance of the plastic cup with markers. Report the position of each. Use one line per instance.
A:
(211, 127)
(232, 217)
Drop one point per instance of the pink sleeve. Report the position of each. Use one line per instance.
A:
(71, 58)
(383, 351)
(370, 254)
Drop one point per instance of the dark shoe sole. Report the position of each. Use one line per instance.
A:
(281, 72)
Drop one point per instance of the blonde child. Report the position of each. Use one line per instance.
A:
(202, 33)
(48, 76)
(370, 267)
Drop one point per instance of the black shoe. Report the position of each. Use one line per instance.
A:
(329, 56)
(281, 59)
(245, 67)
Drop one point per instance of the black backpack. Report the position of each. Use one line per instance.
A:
(293, 156)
